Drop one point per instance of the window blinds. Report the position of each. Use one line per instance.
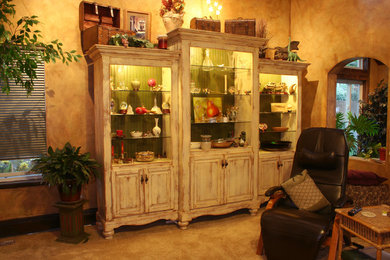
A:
(23, 120)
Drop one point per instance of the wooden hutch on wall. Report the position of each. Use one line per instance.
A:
(209, 81)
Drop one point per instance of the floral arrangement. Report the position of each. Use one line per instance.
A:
(172, 6)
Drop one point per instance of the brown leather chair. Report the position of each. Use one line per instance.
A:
(290, 233)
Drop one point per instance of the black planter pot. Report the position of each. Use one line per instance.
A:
(72, 193)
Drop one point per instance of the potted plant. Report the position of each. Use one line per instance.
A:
(68, 169)
(357, 125)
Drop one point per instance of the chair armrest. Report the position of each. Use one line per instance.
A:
(272, 190)
(343, 201)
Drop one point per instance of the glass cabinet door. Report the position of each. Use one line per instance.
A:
(140, 113)
(221, 94)
(278, 111)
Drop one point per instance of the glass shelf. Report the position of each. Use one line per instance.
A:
(277, 93)
(230, 122)
(139, 138)
(219, 68)
(270, 113)
(141, 91)
(167, 114)
(268, 132)
(216, 94)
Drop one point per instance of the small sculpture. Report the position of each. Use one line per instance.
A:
(281, 53)
(242, 139)
(292, 56)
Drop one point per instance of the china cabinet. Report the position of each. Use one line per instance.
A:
(136, 125)
(280, 87)
(219, 98)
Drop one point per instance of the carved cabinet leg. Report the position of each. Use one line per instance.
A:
(108, 233)
(183, 224)
(253, 212)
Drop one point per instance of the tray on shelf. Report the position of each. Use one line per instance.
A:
(276, 145)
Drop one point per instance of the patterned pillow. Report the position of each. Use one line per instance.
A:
(304, 192)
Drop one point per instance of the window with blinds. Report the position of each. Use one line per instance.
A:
(22, 128)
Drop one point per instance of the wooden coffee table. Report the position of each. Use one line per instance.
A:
(373, 230)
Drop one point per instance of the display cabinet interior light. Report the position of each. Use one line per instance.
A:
(214, 7)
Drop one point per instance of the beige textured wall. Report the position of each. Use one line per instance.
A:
(70, 102)
(330, 32)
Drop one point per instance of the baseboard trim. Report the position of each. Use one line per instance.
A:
(21, 226)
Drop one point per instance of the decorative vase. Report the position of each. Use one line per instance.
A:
(172, 21)
(207, 63)
(155, 108)
(135, 84)
(156, 130)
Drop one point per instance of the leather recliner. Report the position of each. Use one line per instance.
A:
(290, 233)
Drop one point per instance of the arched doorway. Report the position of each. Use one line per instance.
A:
(354, 82)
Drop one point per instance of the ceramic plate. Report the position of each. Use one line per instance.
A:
(368, 214)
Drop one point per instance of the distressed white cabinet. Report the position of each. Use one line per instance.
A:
(274, 169)
(221, 179)
(280, 86)
(132, 191)
(219, 97)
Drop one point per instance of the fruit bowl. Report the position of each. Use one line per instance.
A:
(136, 134)
(279, 129)
(146, 156)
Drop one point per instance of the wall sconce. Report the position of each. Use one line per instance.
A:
(214, 8)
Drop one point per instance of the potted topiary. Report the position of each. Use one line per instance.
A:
(67, 169)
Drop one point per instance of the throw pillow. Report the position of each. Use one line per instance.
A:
(304, 192)
(364, 178)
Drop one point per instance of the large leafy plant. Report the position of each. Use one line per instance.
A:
(62, 165)
(21, 49)
(357, 126)
(376, 108)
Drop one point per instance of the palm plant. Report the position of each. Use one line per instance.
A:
(356, 126)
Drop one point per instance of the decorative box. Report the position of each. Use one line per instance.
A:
(279, 107)
(97, 23)
(205, 24)
(241, 26)
(92, 14)
(99, 34)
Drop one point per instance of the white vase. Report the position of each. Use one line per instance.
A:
(172, 21)
(156, 130)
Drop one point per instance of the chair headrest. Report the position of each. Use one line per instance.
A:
(317, 160)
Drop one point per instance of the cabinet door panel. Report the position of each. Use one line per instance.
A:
(128, 192)
(238, 178)
(268, 174)
(206, 182)
(159, 189)
(285, 169)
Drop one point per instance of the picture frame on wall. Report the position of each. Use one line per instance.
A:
(138, 22)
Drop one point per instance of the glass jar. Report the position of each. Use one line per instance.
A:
(162, 41)
(206, 142)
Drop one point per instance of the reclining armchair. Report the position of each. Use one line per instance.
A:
(288, 232)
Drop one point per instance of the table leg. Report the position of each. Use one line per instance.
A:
(340, 247)
(334, 240)
(379, 254)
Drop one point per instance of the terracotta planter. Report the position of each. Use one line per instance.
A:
(172, 21)
(74, 193)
